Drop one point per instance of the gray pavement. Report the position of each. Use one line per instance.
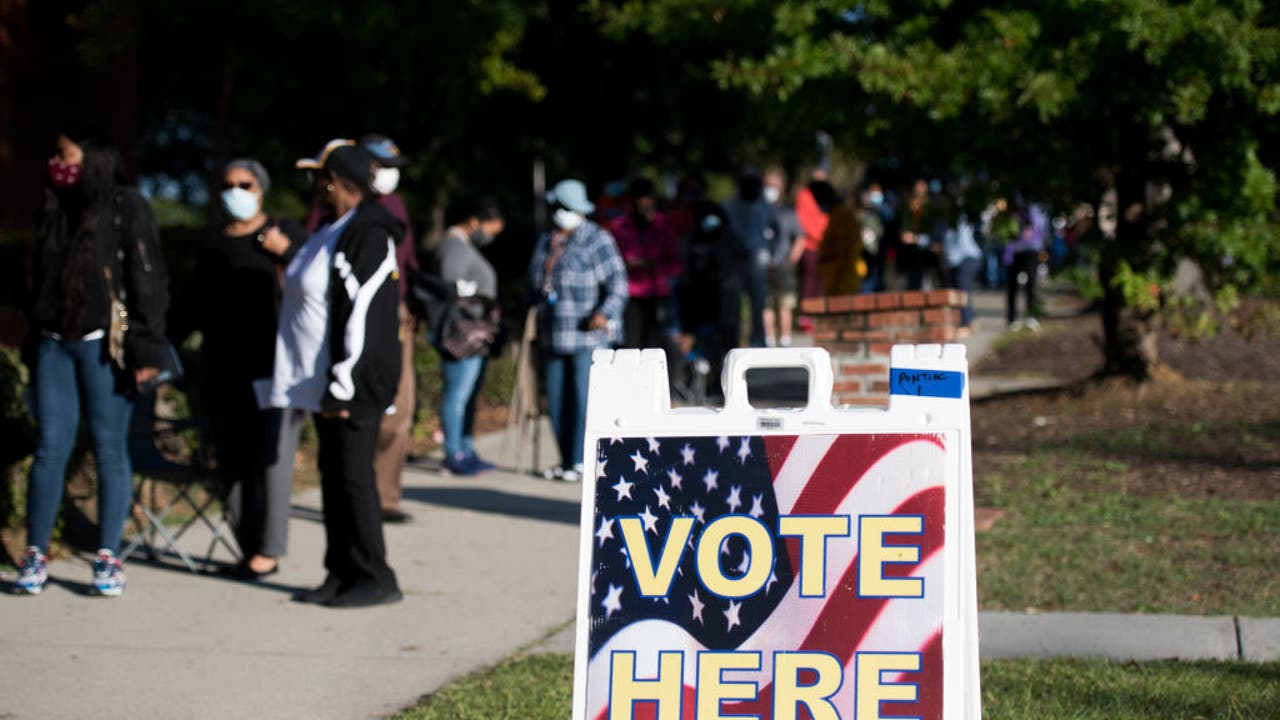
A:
(488, 567)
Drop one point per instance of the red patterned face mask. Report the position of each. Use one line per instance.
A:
(62, 174)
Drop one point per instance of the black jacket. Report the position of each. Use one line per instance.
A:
(129, 244)
(364, 314)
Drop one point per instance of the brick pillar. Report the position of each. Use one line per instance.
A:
(859, 330)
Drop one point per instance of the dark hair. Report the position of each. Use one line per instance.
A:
(79, 210)
(464, 207)
(823, 194)
(641, 187)
(750, 184)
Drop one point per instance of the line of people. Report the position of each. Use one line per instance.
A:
(293, 324)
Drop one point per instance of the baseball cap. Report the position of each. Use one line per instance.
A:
(384, 150)
(350, 162)
(317, 162)
(571, 194)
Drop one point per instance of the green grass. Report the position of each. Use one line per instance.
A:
(1073, 539)
(522, 688)
(535, 687)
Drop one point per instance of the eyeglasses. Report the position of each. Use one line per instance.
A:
(241, 185)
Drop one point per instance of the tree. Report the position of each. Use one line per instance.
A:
(1172, 105)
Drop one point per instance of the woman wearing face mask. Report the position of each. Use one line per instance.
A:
(238, 301)
(473, 224)
(98, 240)
(580, 287)
(338, 351)
(393, 437)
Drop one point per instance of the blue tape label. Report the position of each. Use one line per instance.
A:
(926, 383)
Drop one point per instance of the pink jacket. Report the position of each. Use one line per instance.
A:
(652, 255)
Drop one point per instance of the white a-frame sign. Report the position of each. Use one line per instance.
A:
(785, 563)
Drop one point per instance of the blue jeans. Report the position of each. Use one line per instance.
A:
(962, 278)
(69, 374)
(458, 404)
(566, 385)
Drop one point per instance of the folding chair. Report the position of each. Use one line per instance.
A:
(194, 484)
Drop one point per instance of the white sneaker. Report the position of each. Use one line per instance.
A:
(555, 472)
(1015, 326)
(33, 574)
(108, 575)
(1033, 325)
(785, 341)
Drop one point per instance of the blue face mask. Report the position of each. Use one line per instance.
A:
(240, 203)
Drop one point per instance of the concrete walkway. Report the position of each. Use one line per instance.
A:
(488, 567)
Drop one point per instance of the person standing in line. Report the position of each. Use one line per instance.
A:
(247, 251)
(580, 288)
(474, 223)
(98, 243)
(1022, 260)
(338, 355)
(651, 252)
(963, 255)
(841, 266)
(393, 437)
(921, 241)
(781, 303)
(813, 204)
(745, 257)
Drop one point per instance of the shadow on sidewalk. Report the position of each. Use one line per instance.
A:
(499, 502)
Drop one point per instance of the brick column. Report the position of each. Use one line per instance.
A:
(859, 330)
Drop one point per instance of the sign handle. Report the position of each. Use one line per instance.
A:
(815, 360)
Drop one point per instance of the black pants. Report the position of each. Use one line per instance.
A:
(355, 553)
(1024, 261)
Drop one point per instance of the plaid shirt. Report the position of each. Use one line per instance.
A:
(588, 278)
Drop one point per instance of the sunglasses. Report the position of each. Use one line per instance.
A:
(242, 185)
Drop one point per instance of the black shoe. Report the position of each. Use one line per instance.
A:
(365, 595)
(319, 595)
(245, 573)
(395, 516)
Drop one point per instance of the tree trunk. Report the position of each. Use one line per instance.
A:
(1129, 333)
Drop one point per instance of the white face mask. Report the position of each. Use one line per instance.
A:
(240, 203)
(386, 180)
(771, 194)
(567, 219)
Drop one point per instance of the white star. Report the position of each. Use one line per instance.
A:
(698, 512)
(722, 442)
(662, 599)
(687, 453)
(664, 500)
(675, 478)
(642, 465)
(653, 445)
(624, 488)
(724, 546)
(615, 439)
(625, 555)
(731, 614)
(600, 469)
(735, 498)
(606, 530)
(757, 506)
(773, 578)
(744, 450)
(697, 606)
(650, 520)
(710, 479)
(745, 565)
(593, 581)
(613, 601)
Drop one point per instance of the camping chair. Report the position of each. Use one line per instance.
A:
(153, 440)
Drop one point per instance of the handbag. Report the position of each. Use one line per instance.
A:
(468, 329)
(119, 322)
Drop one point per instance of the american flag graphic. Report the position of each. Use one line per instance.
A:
(658, 479)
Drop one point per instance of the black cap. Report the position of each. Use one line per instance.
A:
(351, 162)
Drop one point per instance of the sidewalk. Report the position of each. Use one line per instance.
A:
(488, 567)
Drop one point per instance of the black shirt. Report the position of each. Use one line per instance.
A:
(237, 302)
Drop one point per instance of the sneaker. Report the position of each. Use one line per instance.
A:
(785, 341)
(1015, 326)
(108, 575)
(555, 472)
(571, 475)
(34, 573)
(1033, 325)
(461, 464)
(481, 464)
